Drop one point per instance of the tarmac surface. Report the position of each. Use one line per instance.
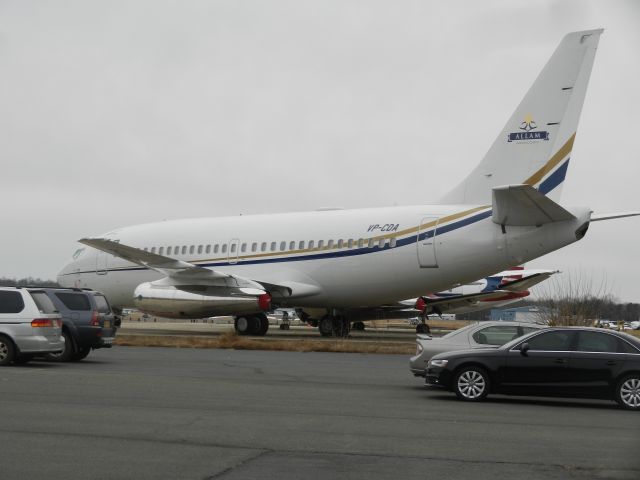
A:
(162, 413)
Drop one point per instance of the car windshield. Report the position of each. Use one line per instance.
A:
(459, 331)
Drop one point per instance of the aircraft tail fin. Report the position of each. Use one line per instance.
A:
(523, 205)
(535, 145)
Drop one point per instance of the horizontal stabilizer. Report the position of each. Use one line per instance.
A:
(596, 217)
(523, 205)
(527, 282)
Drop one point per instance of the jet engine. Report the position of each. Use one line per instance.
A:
(196, 301)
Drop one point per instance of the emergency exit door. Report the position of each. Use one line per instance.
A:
(426, 242)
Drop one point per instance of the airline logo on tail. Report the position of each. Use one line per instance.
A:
(529, 132)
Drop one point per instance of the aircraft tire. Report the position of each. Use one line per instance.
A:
(423, 328)
(341, 327)
(243, 325)
(262, 324)
(358, 326)
(325, 326)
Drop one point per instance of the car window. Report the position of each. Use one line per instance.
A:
(43, 302)
(11, 302)
(626, 347)
(496, 335)
(74, 301)
(102, 304)
(558, 340)
(596, 342)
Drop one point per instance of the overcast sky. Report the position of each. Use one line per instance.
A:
(117, 113)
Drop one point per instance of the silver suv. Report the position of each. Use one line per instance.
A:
(29, 325)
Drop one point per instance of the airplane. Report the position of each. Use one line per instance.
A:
(328, 263)
(494, 291)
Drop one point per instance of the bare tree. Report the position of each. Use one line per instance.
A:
(573, 298)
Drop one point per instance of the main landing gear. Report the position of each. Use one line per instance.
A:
(334, 326)
(252, 324)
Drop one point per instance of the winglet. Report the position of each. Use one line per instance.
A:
(523, 205)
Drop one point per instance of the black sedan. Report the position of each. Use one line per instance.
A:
(564, 362)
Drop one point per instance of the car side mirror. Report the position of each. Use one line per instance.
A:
(524, 348)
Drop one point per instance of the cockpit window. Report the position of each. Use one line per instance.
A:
(77, 253)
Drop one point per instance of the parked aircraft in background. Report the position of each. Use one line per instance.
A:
(494, 291)
(330, 263)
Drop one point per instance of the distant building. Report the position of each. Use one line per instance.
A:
(529, 314)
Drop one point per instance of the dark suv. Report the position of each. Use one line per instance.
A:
(87, 322)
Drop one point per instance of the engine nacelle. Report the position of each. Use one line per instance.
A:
(199, 301)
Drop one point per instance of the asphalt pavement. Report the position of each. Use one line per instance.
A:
(161, 413)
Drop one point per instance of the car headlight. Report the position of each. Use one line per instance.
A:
(438, 363)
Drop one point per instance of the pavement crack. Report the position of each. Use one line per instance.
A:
(247, 460)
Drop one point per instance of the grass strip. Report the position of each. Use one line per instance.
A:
(233, 341)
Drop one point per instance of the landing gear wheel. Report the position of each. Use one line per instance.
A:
(423, 328)
(628, 392)
(243, 325)
(7, 351)
(262, 324)
(358, 326)
(284, 326)
(325, 326)
(341, 327)
(471, 384)
(68, 351)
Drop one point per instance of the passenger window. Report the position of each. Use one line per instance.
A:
(350, 243)
(224, 248)
(497, 335)
(11, 302)
(168, 250)
(243, 247)
(292, 245)
(184, 249)
(199, 249)
(74, 301)
(340, 243)
(381, 243)
(371, 242)
(207, 249)
(556, 341)
(392, 242)
(311, 244)
(283, 246)
(273, 246)
(320, 243)
(597, 342)
(264, 246)
(216, 247)
(176, 250)
(360, 242)
(330, 244)
(153, 249)
(301, 245)
(254, 247)
(233, 248)
(161, 251)
(191, 249)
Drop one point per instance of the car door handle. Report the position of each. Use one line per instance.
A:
(612, 362)
(560, 360)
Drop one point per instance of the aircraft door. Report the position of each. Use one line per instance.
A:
(234, 246)
(101, 263)
(426, 242)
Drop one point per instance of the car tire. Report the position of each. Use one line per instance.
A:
(67, 352)
(23, 359)
(7, 351)
(628, 392)
(80, 354)
(471, 384)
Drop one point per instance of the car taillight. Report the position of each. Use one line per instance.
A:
(94, 319)
(41, 322)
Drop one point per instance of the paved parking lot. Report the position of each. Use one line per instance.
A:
(194, 414)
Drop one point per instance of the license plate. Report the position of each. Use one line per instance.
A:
(107, 324)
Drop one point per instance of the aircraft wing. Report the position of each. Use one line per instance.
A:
(596, 217)
(527, 281)
(445, 304)
(180, 273)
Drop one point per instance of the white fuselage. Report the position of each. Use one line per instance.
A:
(376, 255)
